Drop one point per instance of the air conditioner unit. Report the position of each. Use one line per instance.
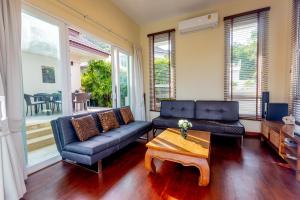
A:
(198, 23)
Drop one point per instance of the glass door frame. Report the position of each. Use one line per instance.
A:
(116, 75)
(65, 76)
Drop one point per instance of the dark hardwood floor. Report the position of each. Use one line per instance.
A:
(248, 173)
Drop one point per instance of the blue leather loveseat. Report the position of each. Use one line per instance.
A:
(93, 150)
(217, 117)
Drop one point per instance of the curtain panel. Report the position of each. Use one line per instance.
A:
(137, 85)
(12, 184)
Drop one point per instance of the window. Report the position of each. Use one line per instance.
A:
(162, 68)
(48, 74)
(246, 60)
(295, 69)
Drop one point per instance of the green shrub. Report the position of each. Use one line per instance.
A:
(97, 80)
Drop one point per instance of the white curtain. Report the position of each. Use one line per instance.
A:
(137, 85)
(12, 184)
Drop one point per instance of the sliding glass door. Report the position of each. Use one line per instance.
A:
(121, 76)
(124, 79)
(45, 83)
(91, 72)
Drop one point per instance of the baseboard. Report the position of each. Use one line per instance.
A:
(253, 134)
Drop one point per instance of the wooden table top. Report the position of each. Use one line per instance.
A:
(196, 144)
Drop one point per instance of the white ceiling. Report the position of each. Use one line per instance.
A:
(145, 11)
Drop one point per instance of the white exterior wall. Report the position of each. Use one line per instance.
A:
(32, 74)
(75, 76)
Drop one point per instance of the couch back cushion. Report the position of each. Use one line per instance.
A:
(177, 108)
(67, 132)
(108, 120)
(217, 110)
(85, 127)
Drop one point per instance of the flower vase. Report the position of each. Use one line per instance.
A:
(183, 133)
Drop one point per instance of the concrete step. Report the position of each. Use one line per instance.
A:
(30, 127)
(35, 133)
(40, 142)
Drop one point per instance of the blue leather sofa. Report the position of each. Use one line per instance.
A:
(217, 117)
(90, 152)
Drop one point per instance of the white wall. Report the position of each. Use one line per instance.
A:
(32, 74)
(75, 76)
(200, 54)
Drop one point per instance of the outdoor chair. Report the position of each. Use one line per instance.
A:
(35, 104)
(56, 102)
(81, 100)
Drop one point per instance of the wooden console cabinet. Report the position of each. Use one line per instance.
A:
(290, 153)
(275, 134)
(271, 133)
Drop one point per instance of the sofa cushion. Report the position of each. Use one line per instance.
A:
(177, 108)
(108, 120)
(217, 110)
(66, 130)
(85, 127)
(93, 145)
(129, 130)
(165, 122)
(127, 115)
(234, 127)
(222, 127)
(113, 137)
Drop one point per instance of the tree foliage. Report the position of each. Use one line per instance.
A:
(245, 55)
(161, 70)
(97, 80)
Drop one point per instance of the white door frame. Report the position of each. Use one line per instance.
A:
(65, 75)
(115, 74)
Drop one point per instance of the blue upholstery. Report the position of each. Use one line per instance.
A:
(220, 127)
(177, 108)
(165, 122)
(217, 110)
(97, 147)
(93, 145)
(89, 159)
(66, 130)
(129, 130)
(217, 117)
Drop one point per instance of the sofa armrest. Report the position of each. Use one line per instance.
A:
(56, 135)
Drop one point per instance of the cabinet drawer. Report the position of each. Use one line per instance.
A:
(274, 138)
(265, 131)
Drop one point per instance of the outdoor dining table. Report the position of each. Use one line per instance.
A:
(47, 98)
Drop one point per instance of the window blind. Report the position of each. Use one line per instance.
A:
(162, 68)
(246, 60)
(295, 68)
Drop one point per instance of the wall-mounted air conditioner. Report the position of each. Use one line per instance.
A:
(198, 23)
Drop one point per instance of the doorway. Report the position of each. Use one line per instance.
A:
(91, 72)
(42, 66)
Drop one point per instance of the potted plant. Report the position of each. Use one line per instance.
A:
(184, 126)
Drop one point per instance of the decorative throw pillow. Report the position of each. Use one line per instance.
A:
(127, 115)
(108, 120)
(85, 127)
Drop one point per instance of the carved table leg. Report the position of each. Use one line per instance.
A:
(149, 164)
(203, 167)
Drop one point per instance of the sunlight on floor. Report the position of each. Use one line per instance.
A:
(42, 154)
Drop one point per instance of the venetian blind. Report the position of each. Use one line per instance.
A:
(246, 60)
(295, 69)
(162, 68)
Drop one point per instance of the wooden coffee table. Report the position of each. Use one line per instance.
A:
(192, 151)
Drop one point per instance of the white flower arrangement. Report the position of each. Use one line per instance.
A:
(184, 124)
